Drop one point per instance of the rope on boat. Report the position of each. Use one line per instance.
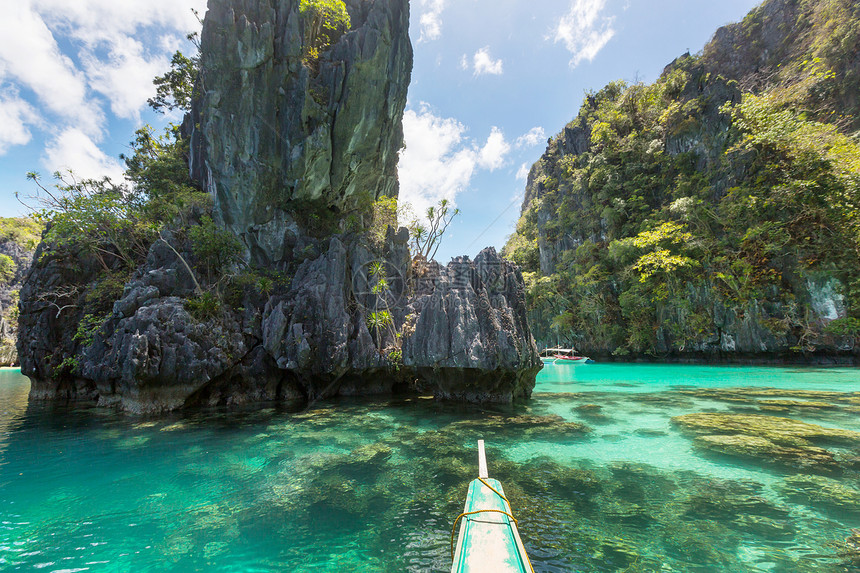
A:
(495, 491)
(462, 515)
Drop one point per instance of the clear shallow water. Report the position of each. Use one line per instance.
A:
(373, 485)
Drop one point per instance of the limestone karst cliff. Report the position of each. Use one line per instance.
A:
(293, 147)
(272, 135)
(712, 213)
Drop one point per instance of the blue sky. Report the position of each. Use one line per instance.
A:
(493, 79)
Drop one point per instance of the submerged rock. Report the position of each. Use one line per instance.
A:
(731, 500)
(769, 439)
(705, 543)
(789, 405)
(751, 394)
(808, 458)
(524, 427)
(765, 526)
(819, 491)
(851, 553)
(780, 430)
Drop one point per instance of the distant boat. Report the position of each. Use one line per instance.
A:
(489, 541)
(563, 356)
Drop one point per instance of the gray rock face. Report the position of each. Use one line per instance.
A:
(272, 134)
(160, 355)
(50, 296)
(458, 332)
(471, 337)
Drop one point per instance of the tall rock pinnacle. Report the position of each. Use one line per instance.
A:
(278, 137)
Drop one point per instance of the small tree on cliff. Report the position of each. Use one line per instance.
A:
(174, 89)
(427, 235)
(325, 22)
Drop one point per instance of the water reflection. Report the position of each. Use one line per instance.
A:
(14, 389)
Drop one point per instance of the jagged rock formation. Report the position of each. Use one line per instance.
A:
(460, 330)
(272, 135)
(678, 219)
(285, 146)
(471, 337)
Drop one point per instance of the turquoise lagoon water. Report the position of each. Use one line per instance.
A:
(374, 485)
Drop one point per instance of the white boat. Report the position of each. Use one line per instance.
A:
(563, 356)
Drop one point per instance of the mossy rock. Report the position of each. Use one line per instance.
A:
(620, 511)
(374, 454)
(527, 427)
(771, 439)
(451, 470)
(665, 400)
(619, 551)
(337, 493)
(765, 527)
(700, 542)
(750, 394)
(797, 404)
(545, 475)
(783, 431)
(753, 447)
(439, 444)
(650, 432)
(821, 491)
(731, 500)
(850, 552)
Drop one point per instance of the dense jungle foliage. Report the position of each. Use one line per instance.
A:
(663, 208)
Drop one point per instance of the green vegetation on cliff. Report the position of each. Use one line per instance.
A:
(695, 215)
(18, 239)
(325, 22)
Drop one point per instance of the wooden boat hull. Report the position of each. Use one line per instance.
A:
(489, 541)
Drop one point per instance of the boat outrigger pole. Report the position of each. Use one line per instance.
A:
(489, 540)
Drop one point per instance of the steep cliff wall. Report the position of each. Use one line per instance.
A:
(277, 138)
(709, 214)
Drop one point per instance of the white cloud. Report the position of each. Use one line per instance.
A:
(431, 20)
(485, 64)
(532, 138)
(440, 160)
(125, 78)
(492, 155)
(115, 28)
(16, 117)
(73, 149)
(523, 172)
(584, 30)
(31, 57)
(102, 21)
(65, 61)
(464, 63)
